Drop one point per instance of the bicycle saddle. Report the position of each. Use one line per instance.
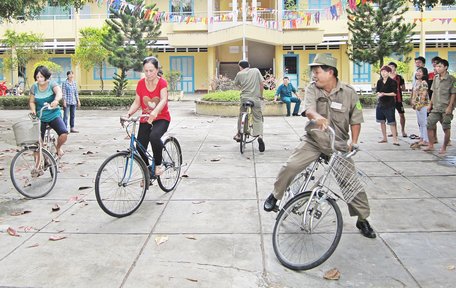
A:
(248, 103)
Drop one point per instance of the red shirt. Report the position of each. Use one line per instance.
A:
(150, 99)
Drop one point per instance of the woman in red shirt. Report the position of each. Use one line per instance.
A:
(152, 98)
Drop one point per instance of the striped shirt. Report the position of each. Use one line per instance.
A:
(70, 92)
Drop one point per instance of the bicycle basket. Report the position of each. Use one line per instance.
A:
(350, 180)
(26, 132)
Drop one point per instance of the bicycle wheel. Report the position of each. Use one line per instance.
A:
(30, 181)
(303, 245)
(121, 184)
(172, 161)
(244, 132)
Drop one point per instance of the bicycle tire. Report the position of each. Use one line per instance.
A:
(243, 130)
(29, 181)
(172, 161)
(116, 197)
(294, 244)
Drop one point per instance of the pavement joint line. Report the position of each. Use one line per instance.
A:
(151, 233)
(396, 257)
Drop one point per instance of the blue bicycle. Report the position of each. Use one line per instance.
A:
(123, 178)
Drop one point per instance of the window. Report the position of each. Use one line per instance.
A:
(107, 72)
(182, 7)
(65, 63)
(133, 75)
(319, 4)
(53, 12)
(361, 72)
(452, 61)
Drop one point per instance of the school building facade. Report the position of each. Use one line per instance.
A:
(205, 38)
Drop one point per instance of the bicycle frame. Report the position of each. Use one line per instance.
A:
(319, 184)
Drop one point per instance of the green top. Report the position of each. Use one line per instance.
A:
(341, 107)
(46, 96)
(442, 88)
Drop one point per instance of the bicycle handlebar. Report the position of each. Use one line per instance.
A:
(332, 136)
(46, 106)
(132, 118)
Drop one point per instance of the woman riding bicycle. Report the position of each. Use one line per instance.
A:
(152, 98)
(44, 91)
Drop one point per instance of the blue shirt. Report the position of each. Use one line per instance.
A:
(46, 96)
(285, 91)
(70, 92)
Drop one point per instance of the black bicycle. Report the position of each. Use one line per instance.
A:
(123, 179)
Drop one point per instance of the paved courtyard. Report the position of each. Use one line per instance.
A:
(211, 231)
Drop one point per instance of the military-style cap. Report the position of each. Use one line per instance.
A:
(324, 59)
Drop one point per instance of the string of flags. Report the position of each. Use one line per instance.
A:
(442, 20)
(290, 19)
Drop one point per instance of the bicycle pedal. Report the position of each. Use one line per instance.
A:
(317, 214)
(276, 208)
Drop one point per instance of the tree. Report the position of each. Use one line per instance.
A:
(90, 51)
(54, 68)
(28, 9)
(132, 32)
(423, 4)
(378, 30)
(24, 47)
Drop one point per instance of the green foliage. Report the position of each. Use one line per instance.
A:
(90, 51)
(233, 96)
(22, 102)
(26, 48)
(120, 83)
(53, 67)
(378, 30)
(28, 9)
(130, 37)
(402, 68)
(173, 78)
(422, 4)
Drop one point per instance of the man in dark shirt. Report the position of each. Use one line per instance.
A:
(386, 93)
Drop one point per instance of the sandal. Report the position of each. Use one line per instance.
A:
(396, 144)
(413, 136)
(383, 141)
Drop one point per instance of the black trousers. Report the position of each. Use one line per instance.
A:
(148, 133)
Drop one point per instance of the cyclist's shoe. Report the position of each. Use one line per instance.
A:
(260, 144)
(237, 138)
(295, 114)
(37, 172)
(365, 229)
(270, 203)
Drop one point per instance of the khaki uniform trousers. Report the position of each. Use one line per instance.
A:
(303, 156)
(257, 118)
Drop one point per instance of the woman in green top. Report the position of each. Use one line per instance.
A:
(43, 91)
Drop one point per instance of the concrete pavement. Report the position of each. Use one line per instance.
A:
(214, 230)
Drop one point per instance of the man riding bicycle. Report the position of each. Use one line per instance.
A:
(251, 81)
(328, 101)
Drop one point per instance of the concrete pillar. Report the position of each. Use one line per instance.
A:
(279, 14)
(211, 64)
(77, 67)
(235, 10)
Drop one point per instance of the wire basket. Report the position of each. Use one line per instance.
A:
(350, 180)
(26, 132)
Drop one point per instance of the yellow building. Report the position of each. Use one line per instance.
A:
(206, 38)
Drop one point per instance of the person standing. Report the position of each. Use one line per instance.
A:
(328, 102)
(385, 114)
(441, 105)
(285, 91)
(251, 83)
(420, 61)
(420, 101)
(152, 98)
(70, 100)
(400, 87)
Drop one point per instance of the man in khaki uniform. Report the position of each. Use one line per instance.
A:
(327, 102)
(441, 105)
(251, 81)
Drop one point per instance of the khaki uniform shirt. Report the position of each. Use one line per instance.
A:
(442, 88)
(341, 107)
(249, 80)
